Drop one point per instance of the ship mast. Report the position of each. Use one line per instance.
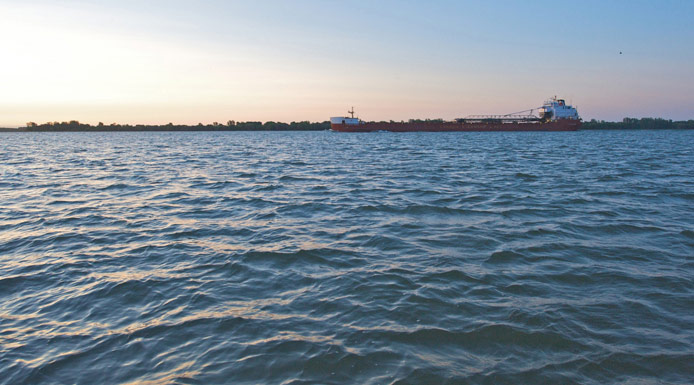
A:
(351, 112)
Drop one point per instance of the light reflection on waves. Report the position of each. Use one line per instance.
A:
(317, 257)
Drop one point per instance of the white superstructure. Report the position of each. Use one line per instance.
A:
(345, 120)
(555, 109)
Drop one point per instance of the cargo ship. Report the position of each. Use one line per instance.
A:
(554, 115)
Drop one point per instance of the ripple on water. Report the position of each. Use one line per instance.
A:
(315, 257)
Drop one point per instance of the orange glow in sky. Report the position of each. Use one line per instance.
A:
(186, 63)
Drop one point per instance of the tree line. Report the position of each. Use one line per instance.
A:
(231, 125)
(638, 124)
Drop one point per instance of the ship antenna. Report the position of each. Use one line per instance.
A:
(351, 112)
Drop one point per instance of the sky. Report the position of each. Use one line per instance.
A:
(155, 62)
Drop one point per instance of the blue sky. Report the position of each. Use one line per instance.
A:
(203, 61)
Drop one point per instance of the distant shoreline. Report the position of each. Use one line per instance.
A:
(23, 130)
(135, 129)
(75, 126)
(231, 125)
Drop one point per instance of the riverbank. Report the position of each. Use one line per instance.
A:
(75, 126)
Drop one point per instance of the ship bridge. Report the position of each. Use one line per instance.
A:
(555, 109)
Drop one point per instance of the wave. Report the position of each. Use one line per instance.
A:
(428, 258)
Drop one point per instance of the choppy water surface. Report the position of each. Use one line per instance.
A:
(320, 257)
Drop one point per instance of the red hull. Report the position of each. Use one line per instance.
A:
(558, 125)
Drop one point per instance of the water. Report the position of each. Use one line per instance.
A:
(317, 257)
